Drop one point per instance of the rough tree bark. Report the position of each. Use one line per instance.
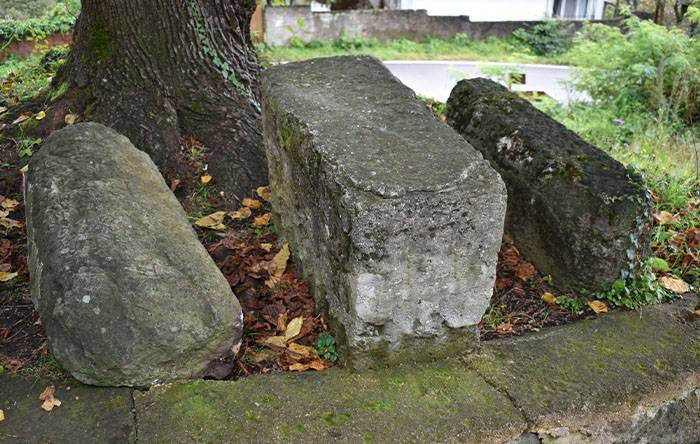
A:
(160, 70)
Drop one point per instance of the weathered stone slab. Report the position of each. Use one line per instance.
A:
(125, 290)
(86, 414)
(572, 209)
(395, 219)
(626, 377)
(437, 403)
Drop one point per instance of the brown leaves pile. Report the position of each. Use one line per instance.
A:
(521, 296)
(279, 313)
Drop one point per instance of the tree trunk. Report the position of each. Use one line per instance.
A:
(160, 70)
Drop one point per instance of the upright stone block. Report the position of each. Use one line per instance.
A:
(395, 219)
(572, 209)
(127, 293)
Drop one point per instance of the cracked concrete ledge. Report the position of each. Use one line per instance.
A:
(631, 377)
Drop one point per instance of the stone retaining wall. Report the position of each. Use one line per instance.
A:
(284, 23)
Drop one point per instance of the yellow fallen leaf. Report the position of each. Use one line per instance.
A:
(266, 247)
(280, 261)
(264, 193)
(4, 213)
(5, 276)
(242, 213)
(549, 298)
(24, 169)
(262, 221)
(10, 223)
(48, 397)
(70, 118)
(298, 367)
(675, 285)
(40, 115)
(9, 204)
(277, 341)
(302, 350)
(252, 203)
(598, 306)
(697, 313)
(319, 364)
(205, 179)
(214, 221)
(504, 328)
(2, 414)
(664, 217)
(293, 328)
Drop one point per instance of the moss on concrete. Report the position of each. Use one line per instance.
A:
(440, 402)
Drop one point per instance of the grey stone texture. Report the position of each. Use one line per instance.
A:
(625, 377)
(395, 219)
(125, 290)
(86, 414)
(573, 210)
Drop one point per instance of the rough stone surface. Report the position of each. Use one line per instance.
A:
(572, 209)
(126, 292)
(395, 219)
(627, 377)
(436, 403)
(86, 414)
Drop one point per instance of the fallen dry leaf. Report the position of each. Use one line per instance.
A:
(549, 298)
(525, 271)
(253, 204)
(298, 367)
(2, 415)
(293, 328)
(23, 117)
(282, 322)
(302, 350)
(243, 213)
(262, 221)
(11, 364)
(205, 179)
(214, 221)
(5, 276)
(266, 247)
(264, 193)
(70, 118)
(319, 364)
(598, 306)
(280, 261)
(663, 217)
(40, 115)
(24, 169)
(48, 397)
(675, 285)
(174, 184)
(10, 223)
(277, 341)
(9, 204)
(504, 328)
(4, 214)
(697, 313)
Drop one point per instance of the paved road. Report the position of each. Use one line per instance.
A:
(437, 78)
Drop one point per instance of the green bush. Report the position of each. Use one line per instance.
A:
(59, 19)
(547, 38)
(649, 68)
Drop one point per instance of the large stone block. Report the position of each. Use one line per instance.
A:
(126, 292)
(572, 209)
(395, 219)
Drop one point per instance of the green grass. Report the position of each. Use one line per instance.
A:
(460, 47)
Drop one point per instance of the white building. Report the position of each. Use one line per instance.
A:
(506, 10)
